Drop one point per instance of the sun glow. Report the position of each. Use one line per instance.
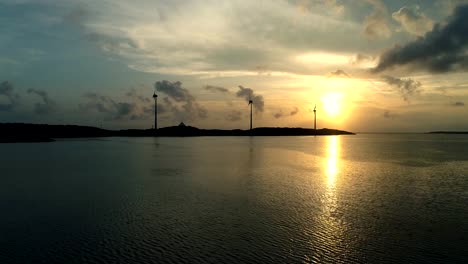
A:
(331, 104)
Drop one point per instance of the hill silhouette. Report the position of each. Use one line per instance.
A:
(20, 132)
(449, 132)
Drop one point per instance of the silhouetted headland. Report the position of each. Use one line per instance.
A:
(19, 132)
(449, 132)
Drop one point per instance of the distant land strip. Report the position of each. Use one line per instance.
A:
(20, 132)
(448, 132)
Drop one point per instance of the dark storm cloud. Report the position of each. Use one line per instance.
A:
(248, 94)
(443, 49)
(234, 116)
(406, 87)
(47, 106)
(338, 73)
(10, 100)
(180, 101)
(213, 88)
(458, 104)
(114, 110)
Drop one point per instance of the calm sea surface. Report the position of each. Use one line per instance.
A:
(344, 199)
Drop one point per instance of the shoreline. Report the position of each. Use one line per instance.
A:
(18, 132)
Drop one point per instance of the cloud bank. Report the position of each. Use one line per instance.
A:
(444, 49)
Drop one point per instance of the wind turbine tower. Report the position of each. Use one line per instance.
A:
(251, 104)
(155, 97)
(315, 117)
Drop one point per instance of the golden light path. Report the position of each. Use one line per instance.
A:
(330, 219)
(333, 150)
(328, 231)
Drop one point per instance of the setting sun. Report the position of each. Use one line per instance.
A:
(331, 104)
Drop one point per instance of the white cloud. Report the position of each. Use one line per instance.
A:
(413, 20)
(376, 24)
(204, 36)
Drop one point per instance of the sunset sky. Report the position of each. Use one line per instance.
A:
(368, 65)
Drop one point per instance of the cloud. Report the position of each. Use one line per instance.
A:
(389, 115)
(406, 87)
(77, 16)
(278, 114)
(174, 90)
(47, 106)
(180, 101)
(458, 104)
(444, 49)
(10, 100)
(216, 89)
(113, 40)
(134, 95)
(281, 114)
(152, 37)
(112, 44)
(330, 6)
(234, 116)
(248, 94)
(413, 20)
(338, 9)
(338, 73)
(361, 59)
(376, 24)
(295, 111)
(113, 110)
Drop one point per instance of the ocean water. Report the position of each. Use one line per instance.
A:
(336, 199)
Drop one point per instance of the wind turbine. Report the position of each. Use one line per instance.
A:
(315, 118)
(155, 97)
(251, 104)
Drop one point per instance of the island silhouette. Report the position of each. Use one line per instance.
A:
(21, 132)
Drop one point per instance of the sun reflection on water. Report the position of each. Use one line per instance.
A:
(333, 150)
(330, 226)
